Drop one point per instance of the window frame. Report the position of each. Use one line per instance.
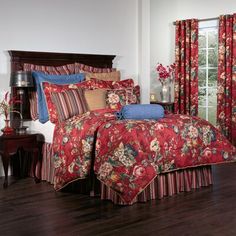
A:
(207, 26)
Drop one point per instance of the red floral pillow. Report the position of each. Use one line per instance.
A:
(123, 84)
(49, 88)
(116, 98)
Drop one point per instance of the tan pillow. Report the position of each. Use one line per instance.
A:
(110, 76)
(96, 99)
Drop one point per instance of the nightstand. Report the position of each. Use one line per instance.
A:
(29, 142)
(168, 106)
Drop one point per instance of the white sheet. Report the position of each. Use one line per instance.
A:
(45, 129)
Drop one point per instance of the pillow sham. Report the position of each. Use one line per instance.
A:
(57, 79)
(110, 76)
(49, 88)
(33, 98)
(56, 70)
(79, 67)
(102, 84)
(52, 70)
(96, 99)
(127, 83)
(69, 103)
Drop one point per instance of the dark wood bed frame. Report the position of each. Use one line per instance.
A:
(18, 58)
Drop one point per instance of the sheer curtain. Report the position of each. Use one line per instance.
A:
(226, 92)
(186, 58)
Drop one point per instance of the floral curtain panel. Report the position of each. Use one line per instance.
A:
(226, 94)
(186, 75)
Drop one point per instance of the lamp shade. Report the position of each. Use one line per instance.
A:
(21, 79)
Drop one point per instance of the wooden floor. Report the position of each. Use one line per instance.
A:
(35, 209)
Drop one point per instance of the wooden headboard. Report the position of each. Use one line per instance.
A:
(18, 58)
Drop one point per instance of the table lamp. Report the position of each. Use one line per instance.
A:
(21, 80)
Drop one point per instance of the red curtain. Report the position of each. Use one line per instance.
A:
(186, 75)
(226, 92)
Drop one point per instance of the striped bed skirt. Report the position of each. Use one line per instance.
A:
(163, 185)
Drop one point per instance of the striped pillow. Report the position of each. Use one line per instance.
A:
(69, 103)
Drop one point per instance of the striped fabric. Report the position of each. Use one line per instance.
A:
(166, 185)
(85, 68)
(69, 103)
(33, 98)
(59, 70)
(51, 70)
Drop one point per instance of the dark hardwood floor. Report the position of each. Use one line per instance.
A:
(35, 209)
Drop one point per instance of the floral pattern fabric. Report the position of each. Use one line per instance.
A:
(226, 94)
(49, 88)
(116, 98)
(130, 154)
(73, 144)
(186, 72)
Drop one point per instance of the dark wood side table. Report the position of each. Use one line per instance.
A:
(168, 106)
(9, 145)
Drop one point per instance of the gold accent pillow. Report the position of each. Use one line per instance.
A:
(110, 76)
(96, 99)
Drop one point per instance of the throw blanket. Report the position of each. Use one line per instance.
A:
(141, 111)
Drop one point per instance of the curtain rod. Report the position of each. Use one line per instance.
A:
(205, 19)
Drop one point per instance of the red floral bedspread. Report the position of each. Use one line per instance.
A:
(130, 154)
(73, 146)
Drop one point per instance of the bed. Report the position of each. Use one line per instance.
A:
(96, 146)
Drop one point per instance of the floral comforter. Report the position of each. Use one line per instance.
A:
(73, 146)
(130, 154)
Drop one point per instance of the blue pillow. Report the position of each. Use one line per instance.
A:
(54, 79)
(141, 111)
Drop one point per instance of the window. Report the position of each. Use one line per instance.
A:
(207, 72)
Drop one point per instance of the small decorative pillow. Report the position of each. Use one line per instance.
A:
(79, 67)
(116, 98)
(96, 99)
(111, 76)
(49, 88)
(69, 103)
